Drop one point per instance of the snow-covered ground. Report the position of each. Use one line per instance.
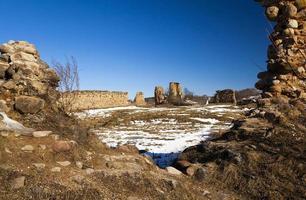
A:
(162, 132)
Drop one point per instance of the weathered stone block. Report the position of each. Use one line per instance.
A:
(28, 104)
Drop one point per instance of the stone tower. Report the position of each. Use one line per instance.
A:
(175, 93)
(285, 76)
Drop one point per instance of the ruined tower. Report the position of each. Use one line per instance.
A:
(285, 76)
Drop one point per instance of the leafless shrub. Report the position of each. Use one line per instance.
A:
(69, 83)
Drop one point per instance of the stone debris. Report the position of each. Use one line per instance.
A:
(29, 148)
(64, 163)
(55, 169)
(7, 150)
(79, 164)
(39, 166)
(42, 146)
(61, 146)
(11, 125)
(78, 179)
(89, 171)
(18, 182)
(173, 171)
(41, 133)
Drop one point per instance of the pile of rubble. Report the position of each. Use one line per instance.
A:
(27, 84)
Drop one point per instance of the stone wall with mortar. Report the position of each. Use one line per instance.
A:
(88, 99)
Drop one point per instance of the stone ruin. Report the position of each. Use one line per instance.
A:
(159, 95)
(285, 75)
(139, 99)
(27, 84)
(175, 93)
(175, 96)
(224, 96)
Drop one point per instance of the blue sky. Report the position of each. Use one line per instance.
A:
(134, 45)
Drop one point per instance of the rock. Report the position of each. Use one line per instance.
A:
(173, 171)
(64, 163)
(89, 171)
(27, 148)
(291, 10)
(18, 183)
(28, 104)
(128, 148)
(301, 4)
(159, 95)
(39, 166)
(79, 164)
(55, 169)
(3, 106)
(199, 174)
(175, 93)
(3, 68)
(39, 134)
(292, 23)
(139, 99)
(7, 150)
(22, 56)
(191, 170)
(55, 137)
(182, 165)
(78, 179)
(9, 85)
(272, 13)
(6, 134)
(61, 146)
(273, 116)
(42, 146)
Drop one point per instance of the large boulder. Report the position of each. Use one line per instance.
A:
(27, 104)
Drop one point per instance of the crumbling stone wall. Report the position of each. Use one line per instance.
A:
(27, 84)
(87, 99)
(224, 96)
(285, 76)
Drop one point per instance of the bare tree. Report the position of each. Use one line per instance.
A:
(69, 83)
